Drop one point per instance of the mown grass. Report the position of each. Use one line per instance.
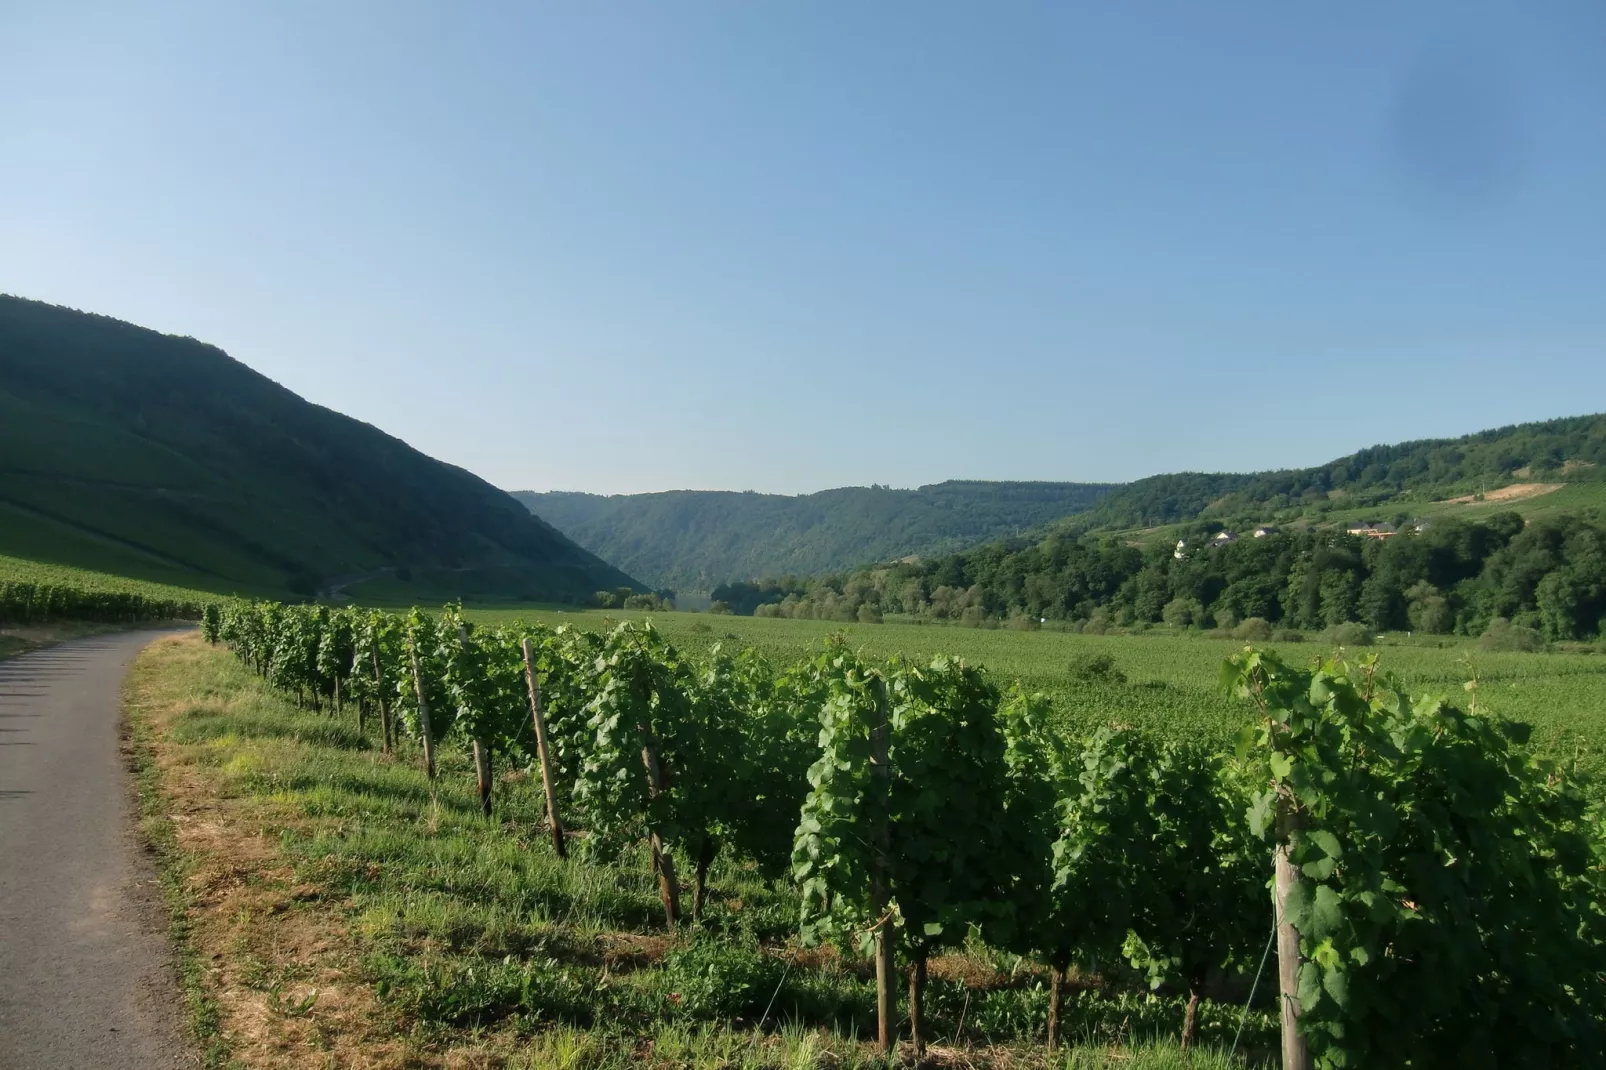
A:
(471, 935)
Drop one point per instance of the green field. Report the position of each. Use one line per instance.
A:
(1171, 678)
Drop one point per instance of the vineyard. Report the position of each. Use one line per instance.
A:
(1166, 683)
(32, 593)
(885, 845)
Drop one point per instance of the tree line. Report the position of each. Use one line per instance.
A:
(1451, 577)
(1436, 888)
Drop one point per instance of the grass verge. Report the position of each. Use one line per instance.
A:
(157, 831)
(334, 908)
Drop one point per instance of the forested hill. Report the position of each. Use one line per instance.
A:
(692, 540)
(1566, 450)
(159, 457)
(1501, 529)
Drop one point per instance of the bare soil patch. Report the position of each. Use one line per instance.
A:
(1516, 492)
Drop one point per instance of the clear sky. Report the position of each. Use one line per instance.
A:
(793, 245)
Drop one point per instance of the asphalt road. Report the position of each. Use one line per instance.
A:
(85, 974)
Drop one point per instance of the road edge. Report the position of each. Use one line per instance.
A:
(153, 828)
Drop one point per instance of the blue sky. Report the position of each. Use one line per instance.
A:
(792, 245)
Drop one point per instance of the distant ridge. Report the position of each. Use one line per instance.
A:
(695, 539)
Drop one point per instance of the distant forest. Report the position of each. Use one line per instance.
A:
(698, 540)
(690, 540)
(1454, 577)
(1547, 575)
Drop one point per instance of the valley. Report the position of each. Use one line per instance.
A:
(561, 821)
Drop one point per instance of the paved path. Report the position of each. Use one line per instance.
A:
(85, 979)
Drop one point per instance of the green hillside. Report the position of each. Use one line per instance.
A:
(162, 458)
(1494, 531)
(694, 539)
(1408, 475)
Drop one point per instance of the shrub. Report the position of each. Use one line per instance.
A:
(1502, 635)
(868, 614)
(719, 608)
(1350, 634)
(1183, 612)
(1432, 614)
(1096, 668)
(1098, 623)
(1253, 630)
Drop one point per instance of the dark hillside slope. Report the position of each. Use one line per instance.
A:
(695, 539)
(157, 456)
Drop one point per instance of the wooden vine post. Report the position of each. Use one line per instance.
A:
(917, 1004)
(423, 709)
(541, 751)
(384, 707)
(1296, 1050)
(663, 863)
(1056, 1001)
(881, 845)
(482, 774)
(482, 753)
(705, 859)
(1190, 1017)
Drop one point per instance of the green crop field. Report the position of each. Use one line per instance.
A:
(1162, 680)
(1170, 679)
